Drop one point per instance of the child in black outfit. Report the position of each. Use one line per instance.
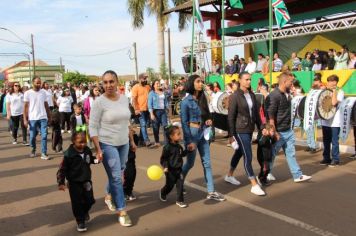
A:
(77, 119)
(172, 162)
(75, 167)
(266, 138)
(57, 139)
(130, 170)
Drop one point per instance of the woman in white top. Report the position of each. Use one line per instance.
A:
(109, 130)
(341, 59)
(64, 103)
(15, 106)
(49, 95)
(317, 65)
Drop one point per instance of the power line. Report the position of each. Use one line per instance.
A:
(85, 55)
(10, 41)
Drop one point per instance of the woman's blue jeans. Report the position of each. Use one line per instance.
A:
(204, 152)
(114, 160)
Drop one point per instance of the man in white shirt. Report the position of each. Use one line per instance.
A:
(37, 115)
(261, 61)
(251, 66)
(331, 128)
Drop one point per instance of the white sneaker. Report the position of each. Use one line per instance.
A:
(270, 177)
(232, 180)
(302, 178)
(110, 204)
(45, 157)
(62, 131)
(69, 131)
(257, 190)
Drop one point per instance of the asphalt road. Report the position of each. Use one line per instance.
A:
(30, 203)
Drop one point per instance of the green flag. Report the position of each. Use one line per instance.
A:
(198, 15)
(280, 12)
(236, 4)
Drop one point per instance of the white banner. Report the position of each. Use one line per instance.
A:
(310, 107)
(295, 104)
(345, 116)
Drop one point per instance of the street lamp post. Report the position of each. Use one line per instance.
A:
(31, 45)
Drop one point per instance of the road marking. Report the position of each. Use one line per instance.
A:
(264, 211)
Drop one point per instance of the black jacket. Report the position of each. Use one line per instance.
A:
(279, 108)
(74, 167)
(73, 121)
(265, 144)
(239, 118)
(330, 63)
(172, 156)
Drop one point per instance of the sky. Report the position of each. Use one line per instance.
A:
(76, 29)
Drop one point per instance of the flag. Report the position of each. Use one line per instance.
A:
(280, 12)
(198, 15)
(236, 4)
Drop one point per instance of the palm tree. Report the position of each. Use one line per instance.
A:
(137, 9)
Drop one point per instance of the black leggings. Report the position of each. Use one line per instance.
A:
(174, 177)
(82, 198)
(16, 121)
(130, 173)
(65, 118)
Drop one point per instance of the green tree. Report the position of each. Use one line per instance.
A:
(152, 75)
(137, 9)
(75, 78)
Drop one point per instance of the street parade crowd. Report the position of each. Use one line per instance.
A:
(100, 117)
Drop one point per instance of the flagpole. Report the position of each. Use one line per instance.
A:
(223, 38)
(192, 49)
(270, 41)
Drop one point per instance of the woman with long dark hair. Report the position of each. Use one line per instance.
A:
(195, 117)
(88, 102)
(15, 106)
(64, 103)
(158, 106)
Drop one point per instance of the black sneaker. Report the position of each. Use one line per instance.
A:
(184, 191)
(313, 150)
(334, 163)
(324, 162)
(81, 227)
(130, 197)
(308, 149)
(216, 196)
(161, 197)
(353, 156)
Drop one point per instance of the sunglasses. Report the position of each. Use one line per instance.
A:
(81, 128)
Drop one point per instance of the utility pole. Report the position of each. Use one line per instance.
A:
(61, 64)
(169, 58)
(135, 58)
(33, 56)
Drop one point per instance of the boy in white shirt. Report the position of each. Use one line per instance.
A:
(331, 127)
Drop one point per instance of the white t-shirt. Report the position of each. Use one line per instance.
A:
(336, 120)
(36, 100)
(249, 102)
(65, 104)
(251, 67)
(16, 103)
(86, 95)
(49, 97)
(79, 120)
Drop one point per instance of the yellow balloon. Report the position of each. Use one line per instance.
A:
(154, 172)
